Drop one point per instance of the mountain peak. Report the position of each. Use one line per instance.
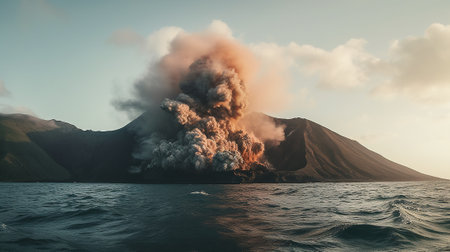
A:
(40, 150)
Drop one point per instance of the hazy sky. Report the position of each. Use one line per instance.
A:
(375, 71)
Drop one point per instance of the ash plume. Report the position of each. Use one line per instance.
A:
(196, 105)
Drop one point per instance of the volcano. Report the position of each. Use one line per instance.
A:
(32, 149)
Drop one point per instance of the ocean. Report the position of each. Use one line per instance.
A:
(391, 216)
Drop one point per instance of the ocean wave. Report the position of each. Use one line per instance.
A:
(375, 235)
(385, 197)
(83, 225)
(32, 241)
(360, 212)
(266, 217)
(200, 193)
(60, 215)
(289, 191)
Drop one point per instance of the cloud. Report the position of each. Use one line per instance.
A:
(7, 109)
(3, 90)
(415, 67)
(156, 44)
(221, 28)
(418, 67)
(346, 66)
(271, 79)
(159, 42)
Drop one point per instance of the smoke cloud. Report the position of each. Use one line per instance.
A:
(198, 107)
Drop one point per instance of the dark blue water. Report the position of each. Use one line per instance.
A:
(285, 217)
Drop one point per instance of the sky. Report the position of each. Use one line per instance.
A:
(374, 71)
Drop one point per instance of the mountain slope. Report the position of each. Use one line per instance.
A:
(32, 149)
(323, 155)
(21, 159)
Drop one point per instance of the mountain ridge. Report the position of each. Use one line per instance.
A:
(32, 149)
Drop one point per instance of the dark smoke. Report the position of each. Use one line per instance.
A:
(197, 108)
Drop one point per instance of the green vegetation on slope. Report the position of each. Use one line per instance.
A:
(20, 158)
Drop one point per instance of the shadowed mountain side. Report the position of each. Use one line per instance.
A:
(289, 155)
(90, 156)
(32, 149)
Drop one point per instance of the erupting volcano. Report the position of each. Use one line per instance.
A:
(195, 120)
(213, 98)
(203, 84)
